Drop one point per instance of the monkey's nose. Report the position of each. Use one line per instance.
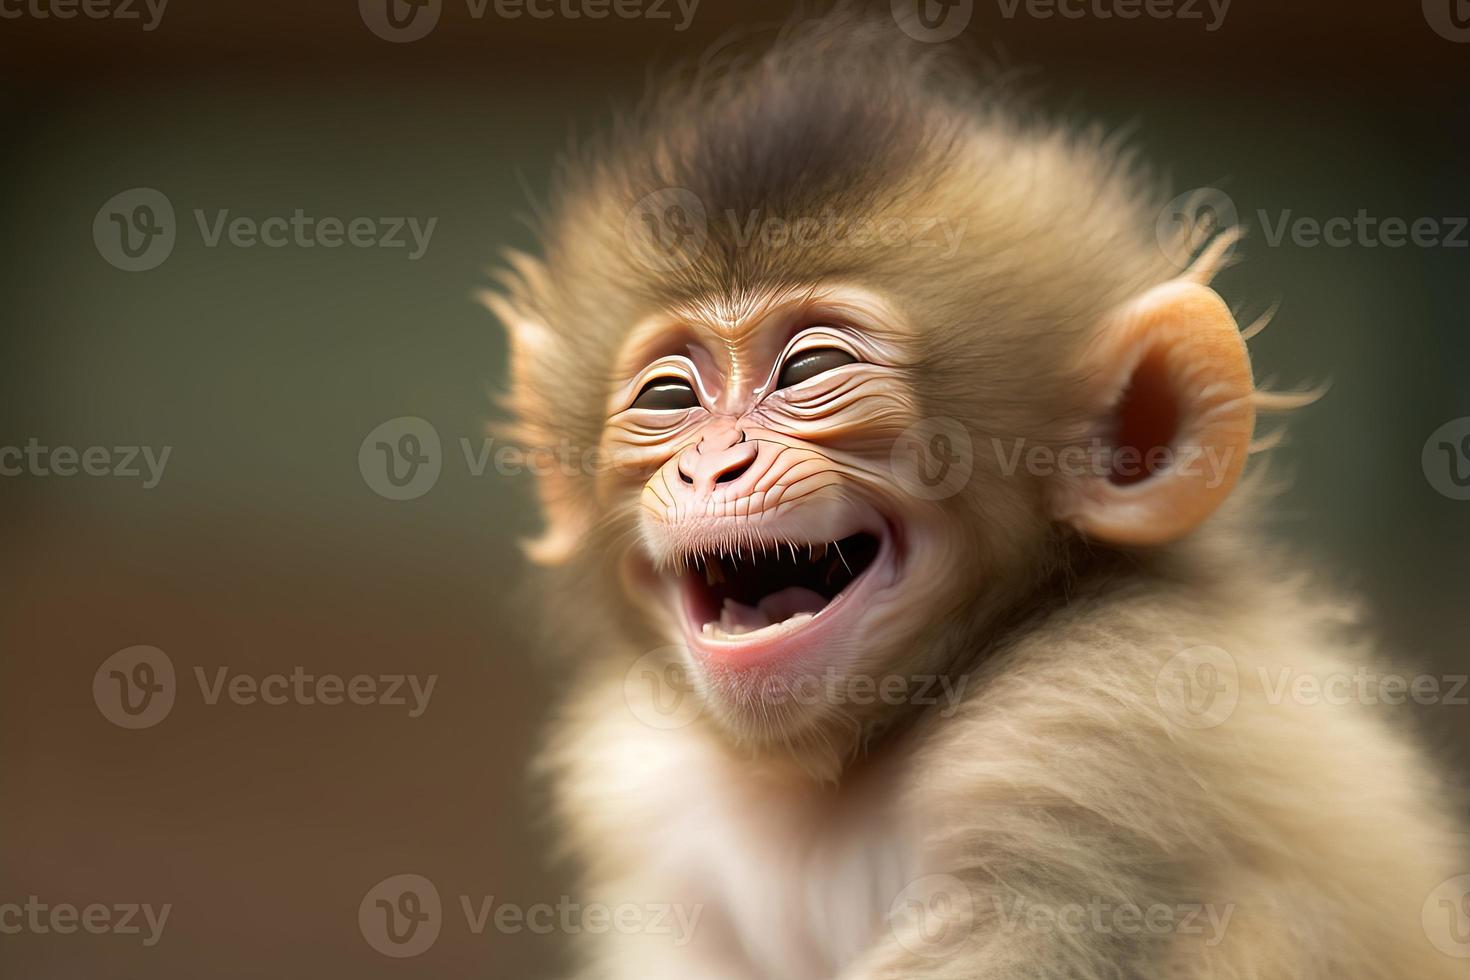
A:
(721, 457)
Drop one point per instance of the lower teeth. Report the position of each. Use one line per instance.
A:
(739, 629)
(787, 605)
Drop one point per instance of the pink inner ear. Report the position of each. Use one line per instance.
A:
(1147, 420)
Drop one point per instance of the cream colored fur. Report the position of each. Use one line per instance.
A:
(1315, 834)
(1318, 829)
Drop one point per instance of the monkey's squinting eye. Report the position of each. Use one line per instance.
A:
(666, 395)
(810, 363)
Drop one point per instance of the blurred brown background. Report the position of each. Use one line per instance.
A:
(263, 548)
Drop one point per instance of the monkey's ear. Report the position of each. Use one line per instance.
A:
(534, 356)
(1171, 394)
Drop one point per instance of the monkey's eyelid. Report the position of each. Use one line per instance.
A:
(812, 362)
(664, 379)
(822, 336)
(675, 367)
(666, 393)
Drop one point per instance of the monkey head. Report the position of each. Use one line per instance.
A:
(831, 463)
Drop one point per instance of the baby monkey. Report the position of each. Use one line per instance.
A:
(917, 618)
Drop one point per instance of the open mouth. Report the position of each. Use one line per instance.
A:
(749, 595)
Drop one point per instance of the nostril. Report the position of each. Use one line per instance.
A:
(733, 472)
(722, 456)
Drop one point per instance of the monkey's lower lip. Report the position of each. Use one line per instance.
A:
(739, 601)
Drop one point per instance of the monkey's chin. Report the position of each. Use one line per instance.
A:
(790, 604)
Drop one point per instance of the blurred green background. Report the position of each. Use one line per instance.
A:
(263, 548)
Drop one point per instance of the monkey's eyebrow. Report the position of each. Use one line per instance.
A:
(865, 310)
(653, 338)
(715, 322)
(696, 323)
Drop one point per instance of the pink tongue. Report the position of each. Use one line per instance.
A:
(735, 615)
(790, 601)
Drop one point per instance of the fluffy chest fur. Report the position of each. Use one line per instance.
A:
(805, 877)
(792, 879)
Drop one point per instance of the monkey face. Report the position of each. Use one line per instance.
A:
(762, 515)
(780, 551)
